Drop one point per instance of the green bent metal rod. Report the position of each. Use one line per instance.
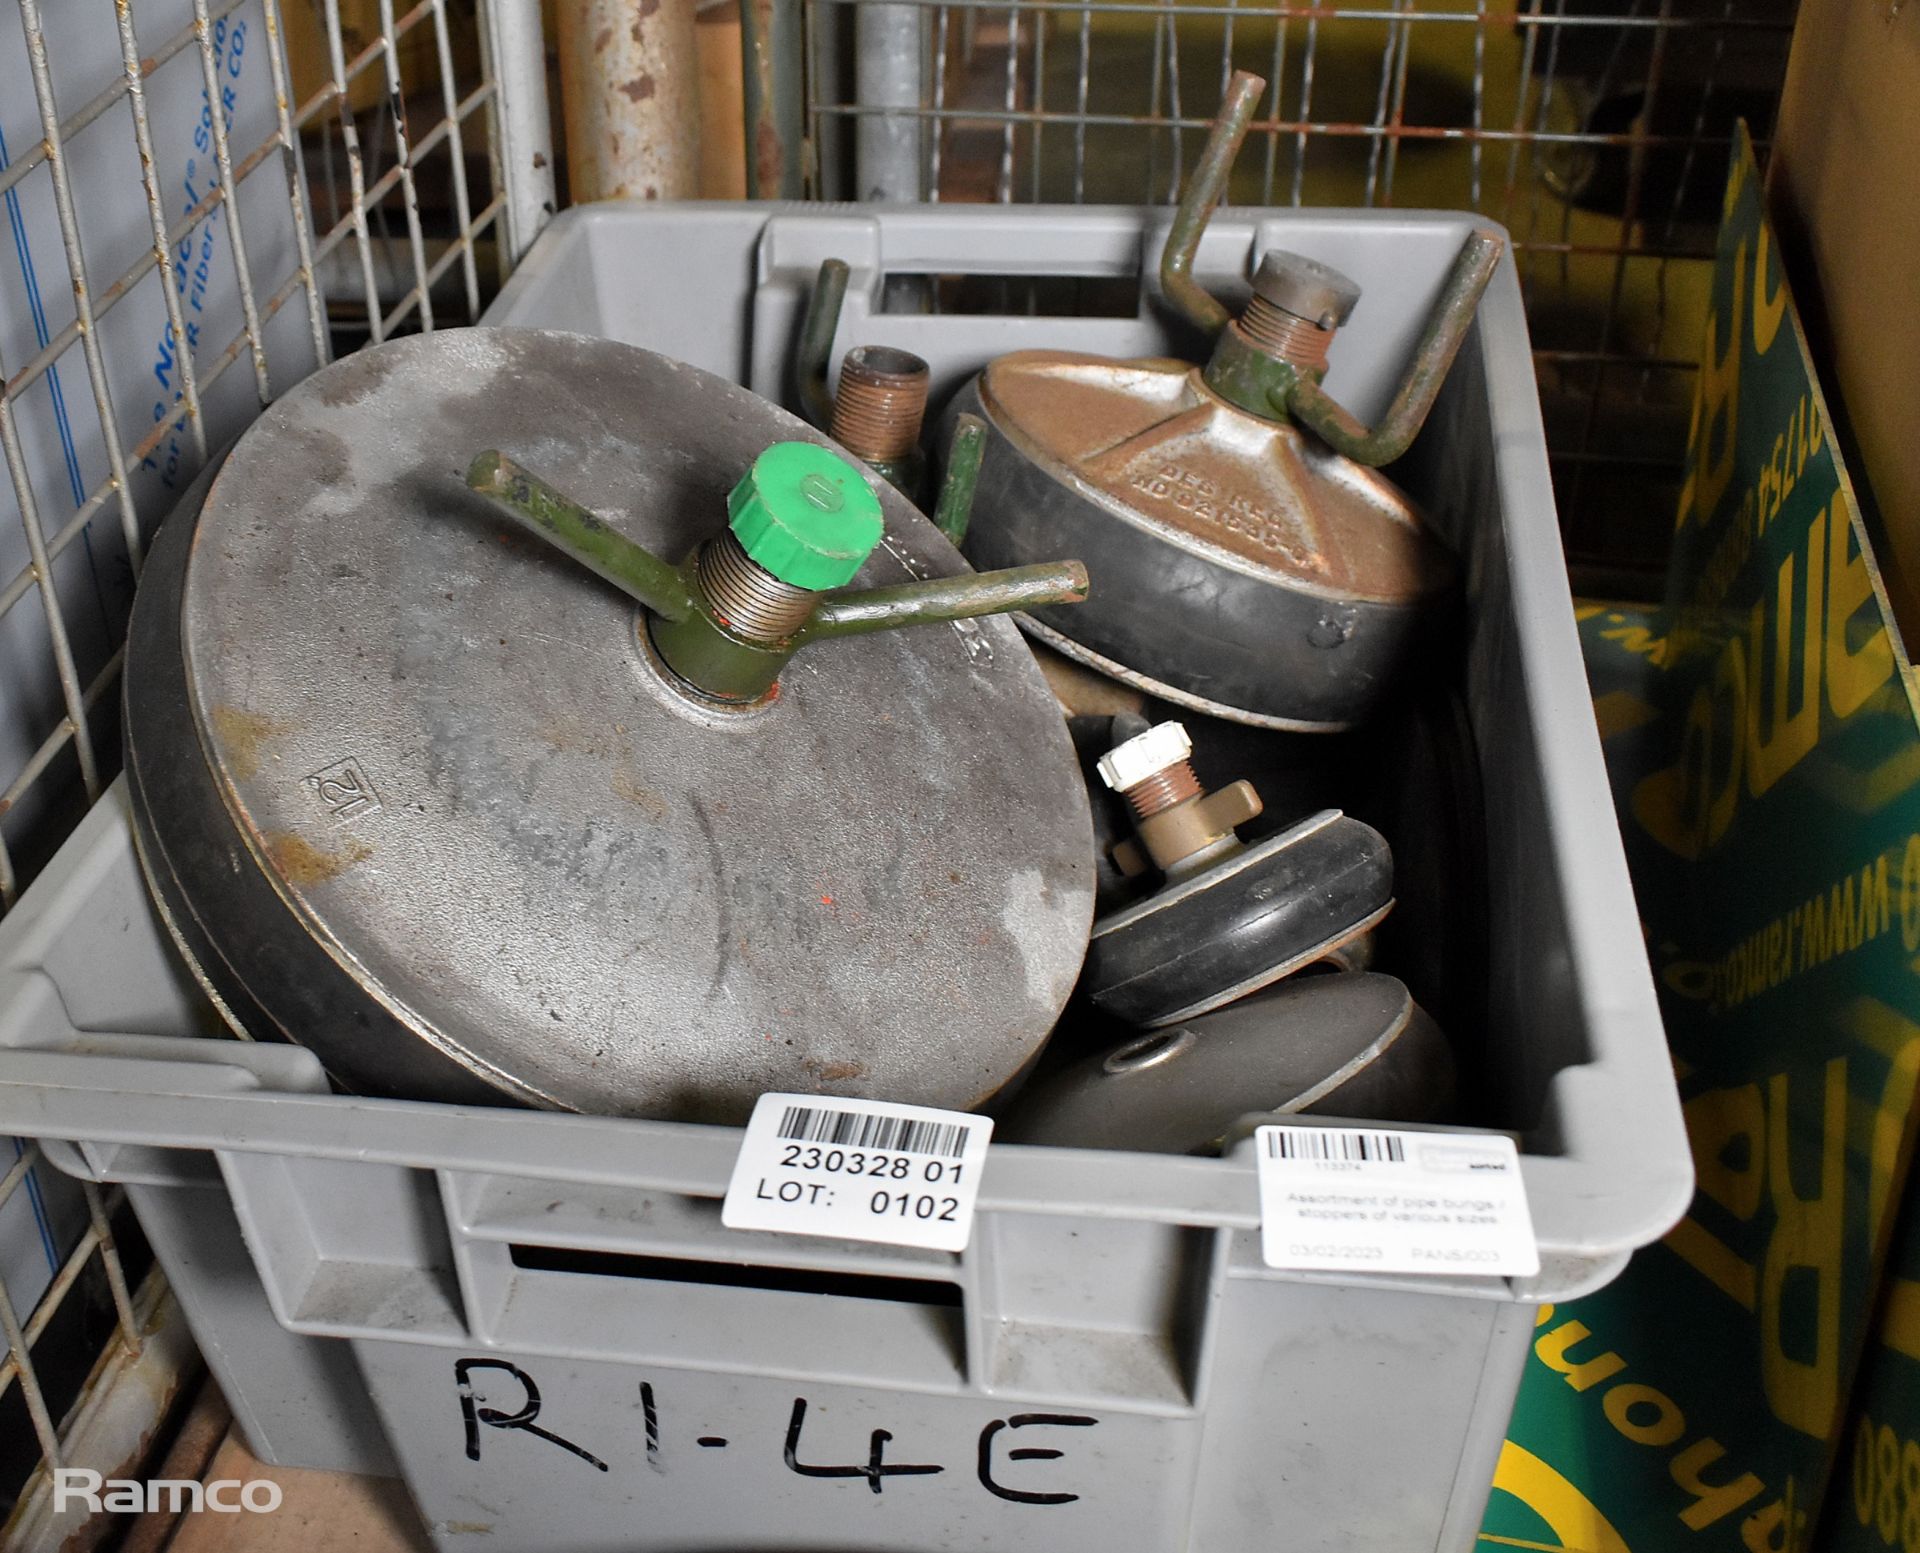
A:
(954, 510)
(570, 528)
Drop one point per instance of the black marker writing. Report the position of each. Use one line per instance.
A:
(475, 1414)
(652, 1416)
(873, 1471)
(1027, 1453)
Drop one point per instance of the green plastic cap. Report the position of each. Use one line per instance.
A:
(805, 515)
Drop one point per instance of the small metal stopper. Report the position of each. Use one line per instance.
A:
(1180, 824)
(880, 404)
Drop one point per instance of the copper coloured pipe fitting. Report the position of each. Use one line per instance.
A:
(880, 404)
(1162, 790)
(1299, 342)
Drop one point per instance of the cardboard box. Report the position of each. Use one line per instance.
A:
(1846, 204)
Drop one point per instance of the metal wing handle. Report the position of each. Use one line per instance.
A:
(816, 342)
(1203, 192)
(727, 622)
(1255, 378)
(1310, 404)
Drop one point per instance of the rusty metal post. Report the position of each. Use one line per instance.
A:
(770, 48)
(515, 56)
(629, 78)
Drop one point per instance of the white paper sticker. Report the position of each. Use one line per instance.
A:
(903, 1175)
(1355, 1199)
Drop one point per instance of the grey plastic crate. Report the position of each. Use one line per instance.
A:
(384, 1285)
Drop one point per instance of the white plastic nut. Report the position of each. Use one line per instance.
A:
(1128, 764)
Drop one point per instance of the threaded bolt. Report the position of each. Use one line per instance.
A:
(1297, 307)
(747, 598)
(1152, 770)
(881, 402)
(1299, 342)
(1165, 788)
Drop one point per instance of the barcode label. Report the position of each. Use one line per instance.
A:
(903, 1175)
(1349, 1199)
(864, 1130)
(1284, 1143)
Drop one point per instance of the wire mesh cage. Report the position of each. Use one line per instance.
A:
(371, 175)
(55, 1321)
(1596, 131)
(204, 200)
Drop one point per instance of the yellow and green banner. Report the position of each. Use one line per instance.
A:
(1765, 762)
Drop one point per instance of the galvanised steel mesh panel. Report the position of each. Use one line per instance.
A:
(273, 181)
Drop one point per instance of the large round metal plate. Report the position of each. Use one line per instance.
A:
(450, 754)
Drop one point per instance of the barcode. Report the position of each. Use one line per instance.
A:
(1344, 1146)
(863, 1130)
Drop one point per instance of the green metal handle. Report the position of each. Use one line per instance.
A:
(1203, 192)
(855, 612)
(570, 528)
(1447, 326)
(955, 508)
(1248, 376)
(816, 341)
(695, 637)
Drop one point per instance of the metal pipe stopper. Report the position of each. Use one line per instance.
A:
(1180, 824)
(508, 845)
(800, 525)
(1305, 288)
